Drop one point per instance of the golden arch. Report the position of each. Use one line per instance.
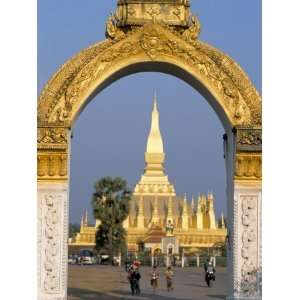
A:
(157, 48)
(152, 47)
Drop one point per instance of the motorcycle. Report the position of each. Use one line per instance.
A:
(210, 275)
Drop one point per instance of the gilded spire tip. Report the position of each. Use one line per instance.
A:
(155, 101)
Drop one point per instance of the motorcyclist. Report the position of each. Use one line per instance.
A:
(206, 264)
(210, 272)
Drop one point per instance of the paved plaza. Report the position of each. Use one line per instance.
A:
(110, 283)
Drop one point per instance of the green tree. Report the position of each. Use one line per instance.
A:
(111, 206)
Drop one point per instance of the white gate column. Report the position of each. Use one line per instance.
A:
(52, 240)
(246, 245)
(244, 240)
(53, 211)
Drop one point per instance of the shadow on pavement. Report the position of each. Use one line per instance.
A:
(217, 296)
(196, 285)
(76, 294)
(83, 294)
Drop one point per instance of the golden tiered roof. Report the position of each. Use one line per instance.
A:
(154, 235)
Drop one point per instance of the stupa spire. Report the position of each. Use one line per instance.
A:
(155, 142)
(154, 180)
(86, 221)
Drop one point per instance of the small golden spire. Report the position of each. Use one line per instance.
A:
(222, 221)
(185, 205)
(86, 218)
(193, 205)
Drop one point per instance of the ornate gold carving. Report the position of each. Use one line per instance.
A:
(70, 87)
(52, 156)
(52, 166)
(51, 96)
(191, 34)
(52, 138)
(248, 166)
(249, 139)
(112, 30)
(152, 43)
(154, 11)
(131, 11)
(175, 13)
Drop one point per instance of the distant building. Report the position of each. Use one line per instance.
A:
(155, 206)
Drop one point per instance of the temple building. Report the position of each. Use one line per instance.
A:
(156, 212)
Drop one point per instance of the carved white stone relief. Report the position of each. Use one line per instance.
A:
(247, 242)
(52, 246)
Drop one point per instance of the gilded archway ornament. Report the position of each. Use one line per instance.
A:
(71, 86)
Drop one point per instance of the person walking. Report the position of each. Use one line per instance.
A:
(130, 278)
(169, 274)
(135, 281)
(154, 274)
(134, 277)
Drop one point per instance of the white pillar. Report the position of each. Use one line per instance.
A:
(53, 223)
(245, 239)
(182, 259)
(198, 261)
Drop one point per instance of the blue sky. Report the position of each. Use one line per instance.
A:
(110, 134)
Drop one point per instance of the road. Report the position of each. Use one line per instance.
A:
(109, 283)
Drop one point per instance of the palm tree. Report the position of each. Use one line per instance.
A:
(111, 206)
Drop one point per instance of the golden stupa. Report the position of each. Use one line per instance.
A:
(155, 205)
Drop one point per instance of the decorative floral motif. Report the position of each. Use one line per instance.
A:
(249, 276)
(52, 245)
(52, 136)
(152, 44)
(154, 11)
